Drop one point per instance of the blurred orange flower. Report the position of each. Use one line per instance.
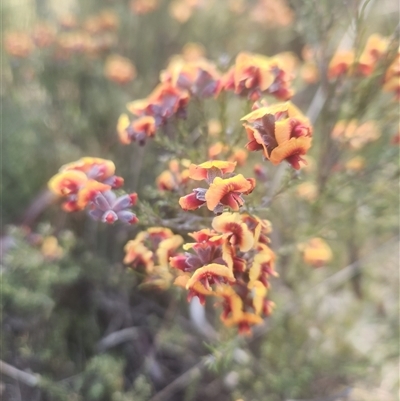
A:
(143, 6)
(392, 78)
(355, 164)
(119, 69)
(210, 169)
(354, 134)
(193, 52)
(254, 74)
(272, 13)
(375, 48)
(174, 178)
(180, 10)
(43, 35)
(18, 44)
(316, 252)
(200, 77)
(308, 191)
(341, 63)
(50, 248)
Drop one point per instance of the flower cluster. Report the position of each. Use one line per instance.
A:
(87, 184)
(192, 76)
(150, 252)
(344, 62)
(233, 262)
(354, 134)
(151, 113)
(225, 189)
(175, 177)
(93, 37)
(280, 131)
(182, 80)
(254, 75)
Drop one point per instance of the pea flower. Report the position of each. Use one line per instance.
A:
(87, 183)
(221, 192)
(281, 131)
(316, 252)
(254, 75)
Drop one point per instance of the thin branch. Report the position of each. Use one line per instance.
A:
(31, 380)
(116, 338)
(181, 381)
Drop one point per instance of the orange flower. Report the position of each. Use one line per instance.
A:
(43, 35)
(174, 178)
(316, 252)
(263, 266)
(180, 10)
(281, 131)
(122, 129)
(93, 167)
(214, 127)
(67, 182)
(272, 13)
(197, 290)
(18, 44)
(258, 292)
(142, 128)
(235, 230)
(291, 151)
(355, 135)
(228, 192)
(233, 304)
(355, 164)
(199, 77)
(375, 48)
(74, 182)
(239, 156)
(108, 20)
(193, 52)
(68, 21)
(165, 101)
(213, 273)
(244, 322)
(89, 191)
(167, 248)
(204, 235)
(215, 150)
(119, 69)
(137, 254)
(72, 42)
(309, 72)
(254, 74)
(211, 169)
(259, 227)
(308, 191)
(50, 248)
(395, 140)
(392, 77)
(340, 64)
(143, 6)
(194, 200)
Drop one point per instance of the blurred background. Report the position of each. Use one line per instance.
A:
(76, 325)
